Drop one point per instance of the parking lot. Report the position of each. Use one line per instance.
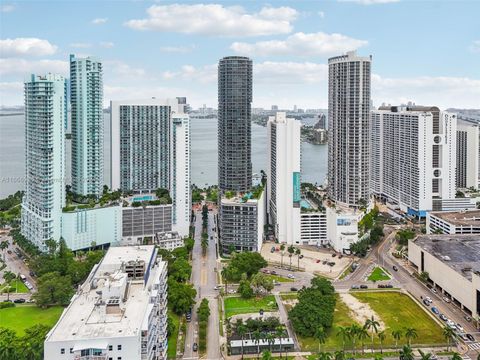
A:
(313, 261)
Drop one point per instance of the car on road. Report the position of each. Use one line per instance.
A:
(381, 286)
(290, 276)
(433, 290)
(318, 260)
(216, 288)
(468, 318)
(463, 337)
(333, 255)
(363, 286)
(426, 302)
(293, 289)
(19, 301)
(470, 337)
(395, 268)
(272, 250)
(446, 299)
(355, 287)
(443, 317)
(460, 328)
(195, 347)
(435, 310)
(273, 272)
(9, 251)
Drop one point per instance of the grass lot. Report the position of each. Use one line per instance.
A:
(237, 305)
(398, 311)
(288, 296)
(277, 278)
(378, 274)
(22, 317)
(172, 339)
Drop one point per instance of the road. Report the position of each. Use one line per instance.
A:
(204, 278)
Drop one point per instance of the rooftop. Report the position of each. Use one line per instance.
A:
(459, 218)
(114, 300)
(460, 252)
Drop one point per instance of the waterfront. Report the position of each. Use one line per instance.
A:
(203, 147)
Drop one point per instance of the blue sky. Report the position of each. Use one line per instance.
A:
(423, 51)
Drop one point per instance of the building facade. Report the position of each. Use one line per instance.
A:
(86, 99)
(342, 227)
(413, 157)
(283, 177)
(348, 129)
(120, 312)
(45, 118)
(234, 124)
(453, 222)
(313, 228)
(467, 153)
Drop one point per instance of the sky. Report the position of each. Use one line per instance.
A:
(427, 52)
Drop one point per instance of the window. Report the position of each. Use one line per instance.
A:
(62, 351)
(119, 358)
(119, 347)
(71, 350)
(110, 347)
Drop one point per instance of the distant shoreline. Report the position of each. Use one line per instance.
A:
(12, 114)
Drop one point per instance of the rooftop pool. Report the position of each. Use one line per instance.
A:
(305, 204)
(142, 198)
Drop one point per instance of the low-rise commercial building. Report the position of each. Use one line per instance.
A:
(453, 266)
(342, 227)
(169, 240)
(454, 222)
(313, 225)
(120, 312)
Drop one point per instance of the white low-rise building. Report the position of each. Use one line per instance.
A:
(454, 222)
(169, 240)
(313, 228)
(342, 227)
(120, 312)
(453, 266)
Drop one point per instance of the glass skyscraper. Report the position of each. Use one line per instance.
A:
(45, 118)
(86, 97)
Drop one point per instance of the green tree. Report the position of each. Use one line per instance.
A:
(244, 289)
(372, 325)
(291, 251)
(259, 281)
(3, 246)
(298, 252)
(397, 335)
(282, 253)
(257, 336)
(457, 356)
(448, 334)
(32, 342)
(9, 344)
(180, 270)
(339, 355)
(181, 297)
(343, 332)
(424, 355)
(354, 331)
(324, 356)
(382, 336)
(53, 289)
(410, 334)
(241, 331)
(248, 263)
(362, 336)
(203, 310)
(406, 353)
(280, 333)
(266, 355)
(321, 336)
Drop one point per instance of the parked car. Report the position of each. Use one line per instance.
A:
(426, 302)
(428, 298)
(435, 310)
(195, 347)
(333, 255)
(460, 328)
(470, 337)
(363, 286)
(355, 287)
(9, 251)
(389, 286)
(23, 277)
(463, 337)
(433, 290)
(19, 301)
(273, 272)
(468, 318)
(318, 260)
(395, 268)
(443, 317)
(381, 286)
(453, 327)
(290, 276)
(293, 289)
(272, 250)
(446, 299)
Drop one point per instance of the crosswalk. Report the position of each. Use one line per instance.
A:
(474, 346)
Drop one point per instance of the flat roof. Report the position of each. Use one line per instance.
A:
(109, 304)
(460, 252)
(459, 218)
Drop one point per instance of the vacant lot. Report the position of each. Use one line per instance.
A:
(398, 311)
(237, 305)
(378, 274)
(22, 317)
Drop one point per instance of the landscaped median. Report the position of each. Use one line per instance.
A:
(237, 305)
(379, 274)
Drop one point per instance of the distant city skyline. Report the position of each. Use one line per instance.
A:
(155, 49)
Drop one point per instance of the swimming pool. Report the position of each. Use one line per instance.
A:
(305, 204)
(142, 198)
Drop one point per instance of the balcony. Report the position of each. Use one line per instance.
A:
(90, 357)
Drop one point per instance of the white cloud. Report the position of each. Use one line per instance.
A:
(321, 14)
(301, 44)
(99, 21)
(290, 72)
(107, 44)
(370, 2)
(24, 67)
(7, 8)
(177, 49)
(475, 46)
(80, 45)
(26, 47)
(122, 69)
(216, 20)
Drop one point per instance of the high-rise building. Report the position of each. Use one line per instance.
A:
(45, 118)
(86, 98)
(141, 141)
(467, 153)
(234, 124)
(413, 157)
(120, 312)
(348, 129)
(274, 107)
(180, 173)
(151, 150)
(283, 177)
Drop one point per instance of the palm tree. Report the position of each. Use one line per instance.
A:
(343, 332)
(270, 340)
(8, 276)
(406, 353)
(321, 336)
(279, 333)
(456, 356)
(241, 330)
(397, 335)
(448, 334)
(339, 355)
(324, 356)
(282, 252)
(266, 355)
(378, 357)
(256, 335)
(298, 252)
(410, 333)
(381, 336)
(3, 246)
(372, 325)
(362, 335)
(424, 355)
(291, 251)
(353, 331)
